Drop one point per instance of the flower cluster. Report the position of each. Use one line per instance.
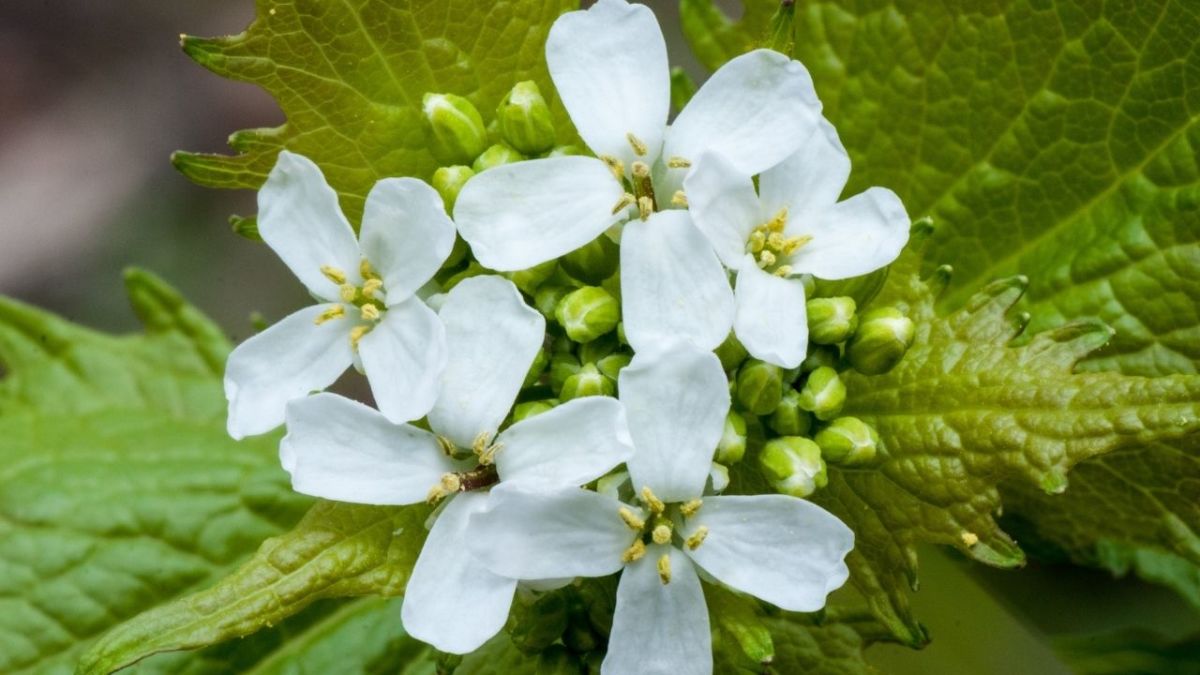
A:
(570, 366)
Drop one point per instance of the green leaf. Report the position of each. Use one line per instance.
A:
(1130, 651)
(120, 488)
(349, 76)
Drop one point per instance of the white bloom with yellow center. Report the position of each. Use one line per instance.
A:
(793, 225)
(367, 311)
(781, 549)
(342, 450)
(609, 65)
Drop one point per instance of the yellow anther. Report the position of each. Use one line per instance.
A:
(436, 494)
(370, 313)
(693, 542)
(656, 505)
(775, 241)
(641, 170)
(679, 163)
(624, 202)
(661, 534)
(348, 292)
(366, 271)
(634, 552)
(783, 271)
(970, 538)
(758, 239)
(451, 482)
(778, 220)
(479, 445)
(639, 148)
(370, 287)
(794, 244)
(447, 446)
(664, 568)
(335, 312)
(357, 333)
(766, 259)
(631, 519)
(679, 199)
(488, 457)
(614, 165)
(689, 509)
(333, 274)
(645, 207)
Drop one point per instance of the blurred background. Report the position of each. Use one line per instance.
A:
(94, 96)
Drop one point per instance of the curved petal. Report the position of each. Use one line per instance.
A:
(492, 337)
(452, 602)
(676, 403)
(549, 534)
(572, 444)
(755, 110)
(856, 236)
(672, 284)
(299, 218)
(609, 65)
(785, 550)
(772, 319)
(286, 361)
(339, 449)
(406, 234)
(519, 215)
(659, 629)
(810, 179)
(723, 205)
(404, 357)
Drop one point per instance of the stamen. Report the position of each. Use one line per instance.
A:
(783, 271)
(631, 519)
(679, 199)
(335, 312)
(489, 456)
(766, 259)
(656, 505)
(778, 220)
(758, 239)
(624, 202)
(357, 333)
(614, 165)
(664, 568)
(435, 495)
(661, 533)
(645, 207)
(333, 274)
(775, 241)
(641, 170)
(370, 287)
(679, 163)
(365, 269)
(447, 446)
(639, 147)
(348, 292)
(689, 509)
(693, 542)
(634, 552)
(795, 244)
(451, 482)
(480, 443)
(370, 313)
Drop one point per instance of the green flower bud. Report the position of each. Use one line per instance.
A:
(561, 344)
(547, 297)
(593, 262)
(848, 440)
(592, 352)
(537, 625)
(556, 660)
(589, 381)
(731, 352)
(732, 446)
(524, 119)
(621, 334)
(474, 269)
(529, 279)
(562, 367)
(540, 361)
(831, 320)
(883, 336)
(823, 394)
(820, 355)
(458, 132)
(759, 386)
(458, 253)
(793, 465)
(449, 180)
(523, 411)
(579, 637)
(495, 156)
(565, 151)
(612, 364)
(587, 313)
(789, 419)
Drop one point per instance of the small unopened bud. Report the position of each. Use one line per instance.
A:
(495, 156)
(589, 381)
(565, 151)
(562, 367)
(523, 411)
(831, 320)
(732, 446)
(458, 132)
(789, 419)
(883, 336)
(823, 394)
(848, 440)
(538, 625)
(592, 352)
(529, 279)
(593, 262)
(820, 355)
(547, 297)
(793, 465)
(759, 386)
(449, 181)
(612, 364)
(524, 119)
(587, 313)
(731, 352)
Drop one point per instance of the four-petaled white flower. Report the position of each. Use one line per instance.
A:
(342, 450)
(609, 65)
(784, 550)
(367, 311)
(794, 225)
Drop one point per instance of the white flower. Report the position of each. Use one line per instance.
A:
(342, 450)
(609, 65)
(794, 225)
(365, 288)
(784, 550)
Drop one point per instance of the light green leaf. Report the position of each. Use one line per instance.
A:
(349, 76)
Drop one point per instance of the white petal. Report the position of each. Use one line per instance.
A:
(406, 234)
(548, 534)
(492, 337)
(672, 284)
(518, 215)
(609, 65)
(723, 206)
(404, 357)
(286, 361)
(572, 444)
(811, 179)
(299, 218)
(451, 601)
(772, 319)
(856, 236)
(676, 403)
(785, 550)
(755, 111)
(659, 629)
(339, 449)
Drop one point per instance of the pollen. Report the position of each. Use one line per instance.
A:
(335, 312)
(624, 202)
(370, 287)
(333, 274)
(370, 313)
(661, 533)
(631, 519)
(795, 244)
(696, 538)
(783, 271)
(447, 446)
(689, 509)
(970, 538)
(679, 199)
(357, 333)
(634, 552)
(679, 163)
(615, 166)
(656, 505)
(641, 170)
(766, 259)
(639, 147)
(776, 223)
(758, 239)
(348, 292)
(664, 568)
(365, 269)
(451, 482)
(645, 206)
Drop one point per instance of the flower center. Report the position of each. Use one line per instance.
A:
(369, 299)
(638, 184)
(484, 475)
(771, 248)
(660, 528)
